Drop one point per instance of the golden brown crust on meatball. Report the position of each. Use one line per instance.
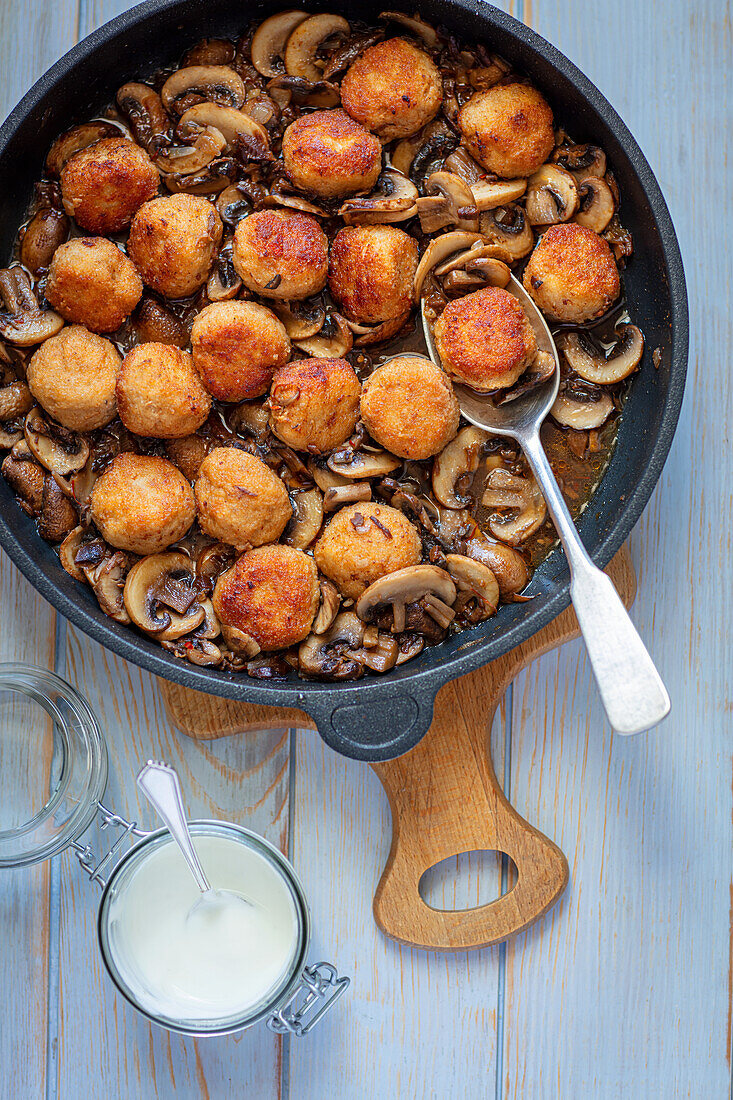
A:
(240, 501)
(572, 274)
(485, 339)
(92, 282)
(393, 88)
(173, 243)
(160, 393)
(270, 593)
(73, 377)
(408, 406)
(281, 254)
(103, 185)
(142, 504)
(236, 347)
(508, 129)
(330, 154)
(364, 542)
(314, 404)
(371, 272)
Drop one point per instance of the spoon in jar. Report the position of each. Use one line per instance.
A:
(159, 782)
(630, 687)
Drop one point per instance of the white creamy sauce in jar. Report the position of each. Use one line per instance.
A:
(220, 960)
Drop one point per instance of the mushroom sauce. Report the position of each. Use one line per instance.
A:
(454, 499)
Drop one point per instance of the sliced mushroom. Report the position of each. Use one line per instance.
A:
(368, 335)
(198, 651)
(223, 283)
(596, 204)
(410, 645)
(79, 486)
(478, 251)
(414, 24)
(594, 366)
(305, 41)
(382, 656)
(148, 118)
(76, 139)
(108, 582)
(44, 233)
(236, 127)
(307, 519)
(406, 586)
(488, 194)
(324, 478)
(476, 271)
(217, 176)
(213, 83)
(240, 643)
(333, 341)
(552, 196)
(394, 199)
(68, 550)
(156, 324)
(24, 324)
(335, 654)
(475, 580)
(362, 464)
(462, 164)
(15, 400)
(569, 412)
(268, 42)
(347, 54)
(210, 51)
(301, 319)
(507, 564)
(448, 200)
(214, 560)
(509, 227)
(27, 479)
(437, 252)
(351, 493)
(233, 205)
(283, 194)
(455, 462)
(521, 496)
(581, 161)
(253, 418)
(328, 609)
(209, 144)
(541, 370)
(58, 515)
(59, 450)
(305, 93)
(160, 596)
(210, 627)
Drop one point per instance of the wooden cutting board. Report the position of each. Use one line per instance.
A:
(444, 795)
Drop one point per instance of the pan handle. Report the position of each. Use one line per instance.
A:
(387, 726)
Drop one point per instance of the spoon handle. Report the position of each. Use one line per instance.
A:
(160, 784)
(630, 686)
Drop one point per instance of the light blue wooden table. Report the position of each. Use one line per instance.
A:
(625, 989)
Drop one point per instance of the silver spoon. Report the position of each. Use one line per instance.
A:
(630, 686)
(159, 782)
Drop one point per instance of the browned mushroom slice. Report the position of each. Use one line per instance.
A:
(160, 596)
(455, 464)
(328, 609)
(76, 139)
(210, 627)
(324, 478)
(351, 493)
(410, 645)
(209, 51)
(108, 582)
(149, 121)
(368, 335)
(209, 144)
(233, 205)
(301, 319)
(394, 199)
(306, 40)
(336, 654)
(156, 324)
(438, 252)
(239, 642)
(15, 400)
(79, 485)
(382, 656)
(68, 551)
(27, 479)
(251, 417)
(44, 233)
(212, 561)
(540, 370)
(425, 583)
(594, 366)
(448, 200)
(237, 127)
(552, 196)
(210, 181)
(508, 226)
(596, 205)
(305, 93)
(223, 283)
(347, 54)
(333, 340)
(462, 164)
(213, 83)
(307, 519)
(581, 161)
(362, 464)
(521, 497)
(24, 324)
(475, 581)
(269, 41)
(478, 269)
(58, 515)
(414, 25)
(488, 194)
(581, 415)
(198, 651)
(59, 450)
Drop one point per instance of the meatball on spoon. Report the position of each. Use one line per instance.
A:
(630, 686)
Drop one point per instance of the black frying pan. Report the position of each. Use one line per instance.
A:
(382, 716)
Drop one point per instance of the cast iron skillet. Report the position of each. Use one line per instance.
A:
(382, 716)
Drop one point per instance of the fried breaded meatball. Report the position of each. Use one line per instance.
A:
(73, 377)
(364, 542)
(572, 274)
(173, 243)
(408, 406)
(240, 501)
(281, 254)
(103, 185)
(236, 347)
(92, 282)
(142, 504)
(508, 129)
(371, 272)
(485, 339)
(314, 404)
(270, 593)
(393, 88)
(160, 393)
(331, 155)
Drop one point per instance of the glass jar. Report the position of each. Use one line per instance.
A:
(51, 721)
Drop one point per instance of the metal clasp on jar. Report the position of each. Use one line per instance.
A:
(319, 987)
(84, 853)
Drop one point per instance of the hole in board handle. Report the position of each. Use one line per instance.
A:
(468, 880)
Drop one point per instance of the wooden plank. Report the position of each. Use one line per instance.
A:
(625, 990)
(30, 38)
